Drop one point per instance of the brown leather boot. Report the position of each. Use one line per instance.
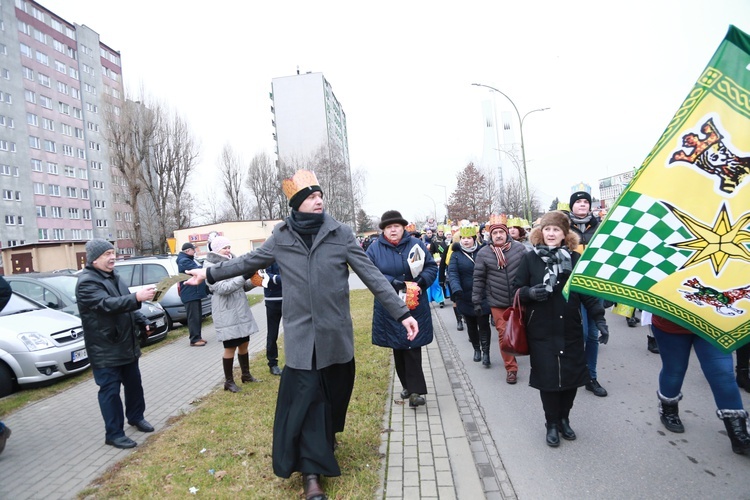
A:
(311, 484)
(229, 384)
(245, 367)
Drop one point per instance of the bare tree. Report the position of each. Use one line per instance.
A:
(184, 153)
(232, 178)
(265, 186)
(493, 191)
(130, 135)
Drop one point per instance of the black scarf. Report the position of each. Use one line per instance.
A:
(557, 260)
(306, 225)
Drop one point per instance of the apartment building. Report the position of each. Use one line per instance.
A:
(59, 84)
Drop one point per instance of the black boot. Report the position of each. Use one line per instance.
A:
(485, 344)
(229, 384)
(311, 485)
(735, 421)
(743, 379)
(477, 354)
(669, 412)
(652, 346)
(245, 367)
(565, 429)
(553, 436)
(460, 324)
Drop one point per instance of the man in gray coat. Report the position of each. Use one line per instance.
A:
(494, 271)
(314, 252)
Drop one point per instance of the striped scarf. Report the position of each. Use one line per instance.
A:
(557, 260)
(499, 253)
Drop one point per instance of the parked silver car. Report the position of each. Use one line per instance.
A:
(138, 272)
(58, 291)
(38, 344)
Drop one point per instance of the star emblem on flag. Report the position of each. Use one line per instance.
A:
(720, 242)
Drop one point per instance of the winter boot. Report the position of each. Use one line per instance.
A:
(743, 379)
(652, 346)
(229, 384)
(735, 422)
(669, 412)
(565, 430)
(245, 367)
(553, 435)
(485, 343)
(477, 354)
(459, 323)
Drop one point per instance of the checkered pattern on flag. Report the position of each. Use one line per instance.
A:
(677, 241)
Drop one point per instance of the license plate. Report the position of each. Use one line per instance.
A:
(79, 355)
(159, 322)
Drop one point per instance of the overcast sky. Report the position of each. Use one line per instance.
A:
(613, 74)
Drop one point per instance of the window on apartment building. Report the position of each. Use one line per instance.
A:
(74, 213)
(52, 168)
(61, 67)
(50, 146)
(56, 212)
(78, 113)
(43, 234)
(83, 173)
(7, 146)
(80, 153)
(6, 97)
(73, 73)
(28, 73)
(34, 142)
(7, 195)
(30, 96)
(26, 50)
(54, 190)
(75, 234)
(58, 234)
(95, 165)
(92, 107)
(10, 220)
(67, 150)
(38, 188)
(32, 119)
(74, 92)
(5, 170)
(63, 88)
(6, 73)
(66, 129)
(118, 216)
(42, 58)
(44, 80)
(86, 214)
(45, 101)
(63, 108)
(79, 133)
(69, 171)
(101, 223)
(48, 124)
(24, 28)
(71, 192)
(36, 165)
(97, 184)
(41, 211)
(85, 195)
(59, 46)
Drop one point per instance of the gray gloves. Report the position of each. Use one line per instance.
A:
(603, 330)
(538, 293)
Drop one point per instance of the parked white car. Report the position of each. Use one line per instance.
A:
(38, 345)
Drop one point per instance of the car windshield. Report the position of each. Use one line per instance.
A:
(18, 304)
(65, 283)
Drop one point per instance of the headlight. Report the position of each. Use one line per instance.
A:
(35, 341)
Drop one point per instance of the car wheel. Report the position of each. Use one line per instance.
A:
(6, 380)
(168, 319)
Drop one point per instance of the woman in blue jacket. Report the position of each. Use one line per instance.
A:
(389, 254)
(461, 280)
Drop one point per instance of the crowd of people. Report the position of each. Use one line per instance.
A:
(480, 267)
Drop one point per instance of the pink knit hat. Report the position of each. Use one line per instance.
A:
(219, 242)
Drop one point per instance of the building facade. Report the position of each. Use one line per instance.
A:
(610, 188)
(306, 117)
(58, 86)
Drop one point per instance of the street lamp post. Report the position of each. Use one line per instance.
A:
(434, 206)
(523, 150)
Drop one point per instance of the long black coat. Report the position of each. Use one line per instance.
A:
(460, 277)
(554, 328)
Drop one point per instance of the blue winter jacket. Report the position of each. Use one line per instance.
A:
(190, 292)
(460, 277)
(391, 260)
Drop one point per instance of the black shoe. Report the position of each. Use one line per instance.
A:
(486, 360)
(597, 389)
(566, 431)
(477, 355)
(142, 426)
(652, 346)
(416, 400)
(460, 325)
(632, 322)
(405, 394)
(123, 442)
(442, 305)
(312, 488)
(553, 436)
(275, 370)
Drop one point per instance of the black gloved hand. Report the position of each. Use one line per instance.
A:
(538, 293)
(478, 309)
(456, 295)
(603, 330)
(398, 285)
(421, 282)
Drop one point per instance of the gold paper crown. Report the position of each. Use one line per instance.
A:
(410, 227)
(467, 231)
(498, 219)
(300, 180)
(515, 221)
(565, 207)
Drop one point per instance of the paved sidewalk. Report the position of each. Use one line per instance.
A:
(441, 450)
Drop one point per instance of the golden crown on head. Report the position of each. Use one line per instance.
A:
(300, 180)
(498, 219)
(467, 231)
(565, 207)
(410, 228)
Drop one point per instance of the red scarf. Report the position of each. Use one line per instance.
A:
(499, 253)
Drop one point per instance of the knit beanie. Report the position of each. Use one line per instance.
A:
(95, 248)
(300, 196)
(219, 242)
(579, 195)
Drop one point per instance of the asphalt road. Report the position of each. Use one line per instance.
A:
(622, 450)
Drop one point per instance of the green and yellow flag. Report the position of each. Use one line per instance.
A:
(677, 241)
